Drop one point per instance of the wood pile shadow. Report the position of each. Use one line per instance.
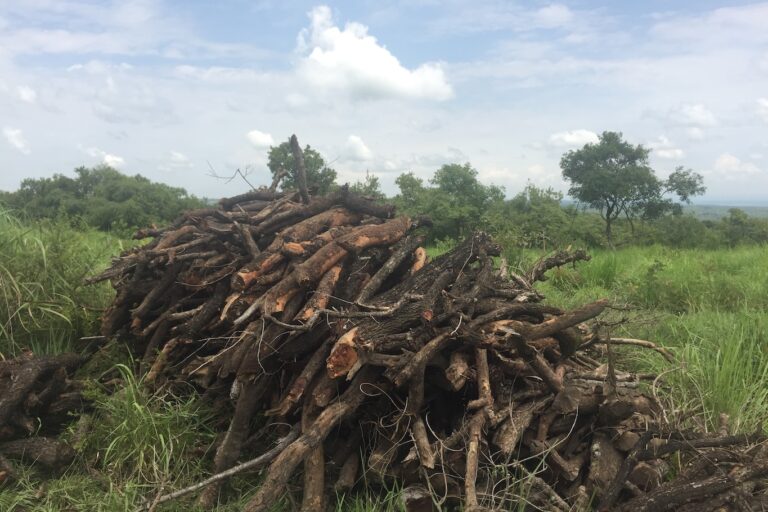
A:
(325, 338)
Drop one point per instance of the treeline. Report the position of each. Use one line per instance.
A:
(102, 198)
(538, 218)
(620, 201)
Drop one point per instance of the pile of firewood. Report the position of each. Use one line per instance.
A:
(448, 376)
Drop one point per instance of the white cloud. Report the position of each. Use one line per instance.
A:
(762, 109)
(731, 165)
(114, 160)
(670, 153)
(573, 138)
(15, 138)
(663, 148)
(695, 115)
(450, 18)
(720, 27)
(553, 15)
(179, 158)
(177, 161)
(99, 67)
(220, 74)
(259, 139)
(353, 62)
(26, 94)
(356, 150)
(695, 133)
(106, 158)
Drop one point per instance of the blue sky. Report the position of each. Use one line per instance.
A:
(173, 89)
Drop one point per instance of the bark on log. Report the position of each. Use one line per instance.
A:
(300, 171)
(284, 465)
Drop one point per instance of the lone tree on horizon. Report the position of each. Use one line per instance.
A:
(320, 176)
(614, 177)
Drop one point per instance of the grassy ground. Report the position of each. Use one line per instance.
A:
(43, 302)
(709, 307)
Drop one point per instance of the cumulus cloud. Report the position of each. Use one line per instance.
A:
(694, 115)
(109, 159)
(259, 139)
(573, 138)
(553, 15)
(663, 148)
(220, 74)
(179, 158)
(352, 61)
(26, 94)
(15, 138)
(176, 161)
(114, 160)
(731, 165)
(762, 109)
(356, 150)
(717, 27)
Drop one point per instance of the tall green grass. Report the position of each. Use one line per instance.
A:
(44, 304)
(710, 307)
(138, 444)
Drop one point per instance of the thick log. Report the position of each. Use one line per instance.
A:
(458, 370)
(310, 272)
(156, 293)
(360, 204)
(299, 386)
(300, 171)
(322, 295)
(262, 265)
(539, 269)
(25, 388)
(400, 252)
(419, 260)
(605, 461)
(284, 465)
(509, 434)
(348, 473)
(314, 466)
(673, 495)
(50, 454)
(229, 449)
(315, 225)
(254, 195)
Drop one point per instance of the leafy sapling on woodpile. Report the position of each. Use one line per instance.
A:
(450, 375)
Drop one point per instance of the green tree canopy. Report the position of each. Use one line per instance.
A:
(532, 218)
(369, 187)
(320, 177)
(614, 177)
(101, 197)
(456, 201)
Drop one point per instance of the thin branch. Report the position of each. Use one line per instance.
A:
(261, 460)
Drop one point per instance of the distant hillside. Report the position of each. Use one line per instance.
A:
(718, 211)
(708, 211)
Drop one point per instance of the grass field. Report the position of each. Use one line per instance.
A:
(44, 304)
(709, 307)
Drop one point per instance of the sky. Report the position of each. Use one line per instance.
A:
(187, 92)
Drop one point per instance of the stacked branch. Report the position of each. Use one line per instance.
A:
(36, 400)
(449, 374)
